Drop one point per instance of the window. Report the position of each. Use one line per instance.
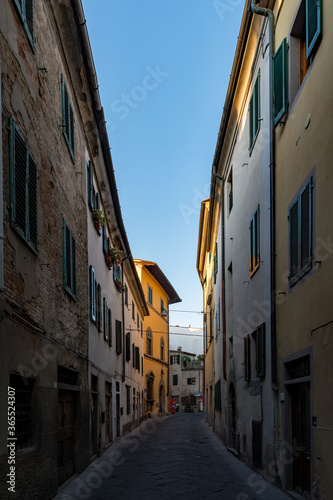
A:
(106, 320)
(300, 234)
(305, 36)
(92, 293)
(90, 186)
(150, 295)
(150, 389)
(215, 263)
(230, 191)
(133, 311)
(142, 365)
(247, 358)
(254, 242)
(254, 114)
(280, 90)
(128, 347)
(259, 337)
(137, 321)
(69, 260)
(126, 295)
(117, 277)
(118, 337)
(191, 381)
(99, 308)
(23, 410)
(175, 380)
(110, 326)
(217, 319)
(218, 399)
(137, 358)
(105, 240)
(128, 399)
(162, 349)
(23, 188)
(162, 306)
(141, 329)
(25, 9)
(67, 118)
(149, 342)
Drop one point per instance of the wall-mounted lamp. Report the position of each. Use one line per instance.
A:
(164, 313)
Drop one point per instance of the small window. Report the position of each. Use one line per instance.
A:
(110, 326)
(90, 187)
(141, 329)
(191, 381)
(126, 295)
(150, 295)
(254, 114)
(300, 234)
(215, 262)
(137, 321)
(23, 410)
(247, 358)
(254, 242)
(69, 260)
(25, 10)
(175, 380)
(23, 188)
(162, 349)
(117, 277)
(162, 306)
(259, 338)
(128, 347)
(149, 342)
(67, 118)
(137, 358)
(128, 399)
(133, 311)
(118, 337)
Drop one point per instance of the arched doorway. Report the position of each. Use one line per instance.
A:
(161, 405)
(232, 414)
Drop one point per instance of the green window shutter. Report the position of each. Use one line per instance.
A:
(313, 25)
(261, 350)
(92, 294)
(32, 203)
(254, 114)
(29, 14)
(255, 241)
(251, 113)
(73, 257)
(110, 326)
(118, 337)
(305, 226)
(20, 162)
(90, 184)
(294, 239)
(280, 82)
(106, 320)
(98, 307)
(133, 355)
(257, 110)
(67, 118)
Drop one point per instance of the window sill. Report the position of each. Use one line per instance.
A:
(300, 275)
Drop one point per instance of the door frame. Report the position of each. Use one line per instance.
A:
(287, 408)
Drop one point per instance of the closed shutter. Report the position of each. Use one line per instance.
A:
(313, 25)
(92, 294)
(90, 185)
(32, 203)
(306, 225)
(133, 355)
(171, 360)
(118, 337)
(257, 105)
(293, 239)
(280, 82)
(110, 326)
(247, 358)
(106, 319)
(178, 359)
(20, 194)
(251, 113)
(261, 350)
(73, 257)
(137, 358)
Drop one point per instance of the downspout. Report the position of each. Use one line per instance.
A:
(1, 196)
(224, 360)
(253, 7)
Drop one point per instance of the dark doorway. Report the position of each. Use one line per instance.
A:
(300, 396)
(66, 417)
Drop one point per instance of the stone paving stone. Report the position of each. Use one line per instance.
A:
(173, 457)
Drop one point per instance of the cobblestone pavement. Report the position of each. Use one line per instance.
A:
(177, 456)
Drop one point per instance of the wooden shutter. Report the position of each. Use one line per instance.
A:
(137, 358)
(90, 185)
(280, 82)
(251, 111)
(247, 358)
(71, 132)
(257, 105)
(313, 25)
(133, 355)
(215, 263)
(261, 350)
(306, 235)
(106, 319)
(32, 204)
(92, 294)
(110, 326)
(293, 239)
(73, 258)
(20, 191)
(118, 337)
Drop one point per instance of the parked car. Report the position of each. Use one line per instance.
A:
(188, 409)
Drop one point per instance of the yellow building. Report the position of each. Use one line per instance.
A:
(159, 294)
(205, 268)
(304, 262)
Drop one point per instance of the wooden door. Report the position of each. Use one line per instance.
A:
(301, 438)
(66, 415)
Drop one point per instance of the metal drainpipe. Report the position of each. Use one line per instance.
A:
(253, 7)
(1, 196)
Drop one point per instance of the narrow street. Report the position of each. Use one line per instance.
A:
(173, 457)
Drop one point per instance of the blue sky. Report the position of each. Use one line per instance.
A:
(163, 69)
